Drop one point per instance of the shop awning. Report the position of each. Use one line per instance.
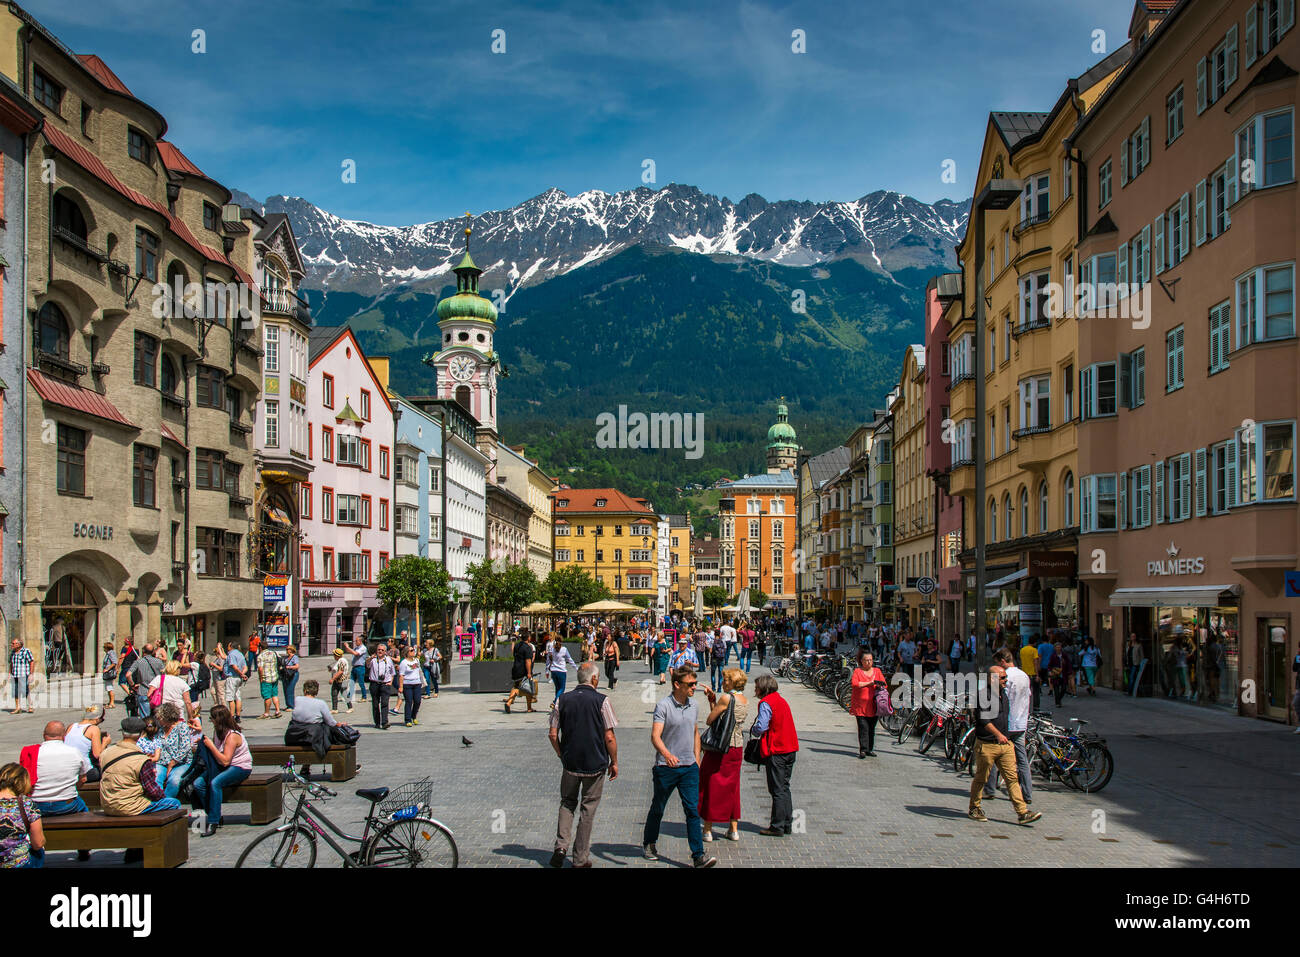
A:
(992, 588)
(1192, 596)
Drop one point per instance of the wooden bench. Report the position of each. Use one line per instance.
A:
(263, 792)
(164, 836)
(342, 758)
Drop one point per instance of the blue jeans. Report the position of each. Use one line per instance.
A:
(715, 675)
(559, 678)
(162, 804)
(229, 778)
(36, 858)
(747, 657)
(358, 681)
(290, 682)
(142, 702)
(685, 780)
(1132, 680)
(171, 783)
(54, 808)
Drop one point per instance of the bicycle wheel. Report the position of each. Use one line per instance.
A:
(928, 737)
(289, 845)
(908, 726)
(1094, 769)
(894, 720)
(417, 842)
(951, 734)
(961, 759)
(844, 693)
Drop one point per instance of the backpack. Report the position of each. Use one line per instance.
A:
(202, 678)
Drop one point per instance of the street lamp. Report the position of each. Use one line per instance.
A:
(997, 194)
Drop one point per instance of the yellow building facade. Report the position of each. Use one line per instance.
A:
(610, 535)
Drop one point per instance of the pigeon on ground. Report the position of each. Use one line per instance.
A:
(465, 742)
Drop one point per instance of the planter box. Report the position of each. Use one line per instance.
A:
(490, 677)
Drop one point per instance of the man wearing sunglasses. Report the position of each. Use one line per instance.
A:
(675, 734)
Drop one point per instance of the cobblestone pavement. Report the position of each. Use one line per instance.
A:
(1191, 787)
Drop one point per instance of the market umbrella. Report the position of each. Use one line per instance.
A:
(610, 605)
(743, 609)
(538, 608)
(698, 607)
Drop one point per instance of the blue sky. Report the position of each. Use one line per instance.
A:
(585, 91)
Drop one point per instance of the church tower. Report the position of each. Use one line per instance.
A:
(782, 446)
(467, 364)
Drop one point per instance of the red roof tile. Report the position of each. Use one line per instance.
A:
(175, 160)
(76, 398)
(584, 500)
(103, 74)
(171, 436)
(95, 166)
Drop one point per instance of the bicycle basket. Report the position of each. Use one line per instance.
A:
(407, 800)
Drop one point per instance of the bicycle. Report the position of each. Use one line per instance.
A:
(403, 833)
(1079, 758)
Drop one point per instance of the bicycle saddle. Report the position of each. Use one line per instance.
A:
(1078, 720)
(373, 794)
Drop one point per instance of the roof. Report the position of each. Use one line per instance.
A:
(95, 166)
(76, 398)
(318, 346)
(321, 338)
(677, 521)
(103, 74)
(1105, 67)
(499, 489)
(169, 435)
(175, 160)
(584, 500)
(782, 479)
(707, 549)
(1016, 126)
(828, 464)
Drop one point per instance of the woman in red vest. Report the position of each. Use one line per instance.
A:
(778, 746)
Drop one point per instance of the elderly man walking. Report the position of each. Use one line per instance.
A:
(582, 734)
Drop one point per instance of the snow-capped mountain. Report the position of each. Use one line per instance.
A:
(554, 233)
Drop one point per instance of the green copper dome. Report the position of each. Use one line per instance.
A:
(467, 305)
(782, 433)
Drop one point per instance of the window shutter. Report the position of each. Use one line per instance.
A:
(1230, 186)
(1123, 499)
(1185, 218)
(1179, 352)
(1200, 213)
(1159, 259)
(1288, 14)
(1200, 85)
(1201, 495)
(1121, 265)
(1139, 377)
(1251, 52)
(1160, 492)
(1125, 379)
(1145, 263)
(1215, 358)
(1085, 393)
(1145, 145)
(1230, 469)
(1185, 487)
(1123, 163)
(1230, 53)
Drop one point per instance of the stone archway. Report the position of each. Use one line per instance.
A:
(69, 626)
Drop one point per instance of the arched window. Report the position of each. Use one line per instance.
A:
(993, 520)
(53, 334)
(462, 397)
(1007, 517)
(68, 216)
(1067, 499)
(1024, 511)
(169, 379)
(1042, 507)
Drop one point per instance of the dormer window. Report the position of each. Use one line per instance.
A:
(46, 91)
(562, 503)
(600, 503)
(137, 145)
(211, 217)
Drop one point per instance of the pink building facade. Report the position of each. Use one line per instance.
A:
(938, 457)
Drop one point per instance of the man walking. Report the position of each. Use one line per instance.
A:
(1018, 698)
(141, 674)
(684, 657)
(582, 734)
(992, 746)
(1029, 665)
(1135, 656)
(728, 634)
(20, 668)
(675, 734)
(779, 745)
(380, 671)
(268, 672)
(360, 654)
(235, 673)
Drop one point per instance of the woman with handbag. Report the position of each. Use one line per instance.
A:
(231, 754)
(109, 672)
(410, 679)
(170, 688)
(521, 674)
(661, 652)
(867, 681)
(723, 746)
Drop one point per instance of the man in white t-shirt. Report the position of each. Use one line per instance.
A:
(728, 634)
(1019, 695)
(59, 769)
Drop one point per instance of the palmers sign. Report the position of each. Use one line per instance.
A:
(1174, 565)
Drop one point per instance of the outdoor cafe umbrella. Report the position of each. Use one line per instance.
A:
(612, 606)
(538, 608)
(698, 607)
(743, 610)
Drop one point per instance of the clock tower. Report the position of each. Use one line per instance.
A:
(466, 364)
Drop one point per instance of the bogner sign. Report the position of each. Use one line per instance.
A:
(1174, 565)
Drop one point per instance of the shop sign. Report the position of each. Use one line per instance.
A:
(273, 588)
(1292, 584)
(1052, 564)
(318, 594)
(101, 532)
(169, 608)
(926, 585)
(1175, 565)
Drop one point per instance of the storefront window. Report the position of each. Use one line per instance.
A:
(173, 628)
(1222, 657)
(1198, 654)
(69, 617)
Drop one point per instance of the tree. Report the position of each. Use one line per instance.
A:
(641, 601)
(757, 599)
(571, 587)
(715, 596)
(517, 586)
(420, 584)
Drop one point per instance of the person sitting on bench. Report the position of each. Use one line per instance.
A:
(311, 725)
(128, 782)
(231, 753)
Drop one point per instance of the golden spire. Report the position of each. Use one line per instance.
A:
(468, 230)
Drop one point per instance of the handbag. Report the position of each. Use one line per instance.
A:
(717, 736)
(344, 734)
(528, 686)
(883, 703)
(156, 694)
(754, 751)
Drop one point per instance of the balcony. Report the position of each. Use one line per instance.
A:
(1034, 447)
(100, 368)
(52, 360)
(283, 302)
(70, 239)
(1023, 329)
(961, 479)
(240, 427)
(173, 402)
(241, 501)
(1029, 222)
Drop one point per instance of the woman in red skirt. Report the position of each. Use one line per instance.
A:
(720, 773)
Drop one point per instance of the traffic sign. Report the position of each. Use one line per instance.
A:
(1293, 584)
(926, 586)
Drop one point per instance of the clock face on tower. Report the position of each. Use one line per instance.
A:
(461, 368)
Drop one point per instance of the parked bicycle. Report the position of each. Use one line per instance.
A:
(398, 830)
